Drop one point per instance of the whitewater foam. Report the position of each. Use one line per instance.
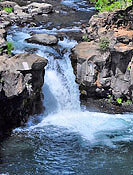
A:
(62, 99)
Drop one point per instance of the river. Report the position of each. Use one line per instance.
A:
(66, 139)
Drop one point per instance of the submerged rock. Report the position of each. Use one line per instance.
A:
(43, 39)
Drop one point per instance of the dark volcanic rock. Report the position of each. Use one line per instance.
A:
(3, 35)
(22, 14)
(43, 39)
(21, 80)
(104, 65)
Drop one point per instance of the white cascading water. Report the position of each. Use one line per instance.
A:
(62, 100)
(60, 79)
(78, 5)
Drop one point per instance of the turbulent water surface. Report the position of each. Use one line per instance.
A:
(66, 139)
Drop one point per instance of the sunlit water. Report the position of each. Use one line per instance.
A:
(78, 5)
(66, 139)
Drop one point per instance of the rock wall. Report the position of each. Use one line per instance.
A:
(104, 63)
(22, 75)
(21, 81)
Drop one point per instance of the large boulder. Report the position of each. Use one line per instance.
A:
(44, 39)
(90, 64)
(21, 81)
(39, 8)
(102, 73)
(16, 72)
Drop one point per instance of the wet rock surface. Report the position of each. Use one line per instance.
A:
(103, 64)
(21, 80)
(43, 39)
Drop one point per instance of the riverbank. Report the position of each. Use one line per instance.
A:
(56, 15)
(103, 61)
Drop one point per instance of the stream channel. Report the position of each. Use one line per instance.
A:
(66, 139)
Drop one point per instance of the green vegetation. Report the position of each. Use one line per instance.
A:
(109, 98)
(85, 38)
(104, 44)
(110, 5)
(129, 67)
(1, 50)
(128, 102)
(119, 100)
(8, 10)
(9, 47)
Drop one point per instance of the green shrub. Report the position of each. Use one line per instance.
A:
(9, 47)
(129, 67)
(85, 38)
(1, 50)
(110, 5)
(8, 10)
(128, 102)
(104, 44)
(109, 98)
(119, 100)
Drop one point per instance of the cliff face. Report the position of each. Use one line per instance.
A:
(21, 80)
(104, 64)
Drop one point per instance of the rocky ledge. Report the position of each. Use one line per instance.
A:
(21, 80)
(21, 75)
(12, 13)
(103, 62)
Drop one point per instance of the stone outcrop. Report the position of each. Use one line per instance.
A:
(38, 8)
(21, 80)
(104, 64)
(3, 34)
(43, 39)
(22, 15)
(22, 75)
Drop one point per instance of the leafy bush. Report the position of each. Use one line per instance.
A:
(119, 100)
(1, 50)
(129, 67)
(109, 98)
(85, 38)
(110, 5)
(8, 10)
(104, 44)
(128, 102)
(9, 47)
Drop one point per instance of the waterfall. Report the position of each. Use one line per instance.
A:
(60, 79)
(61, 96)
(65, 139)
